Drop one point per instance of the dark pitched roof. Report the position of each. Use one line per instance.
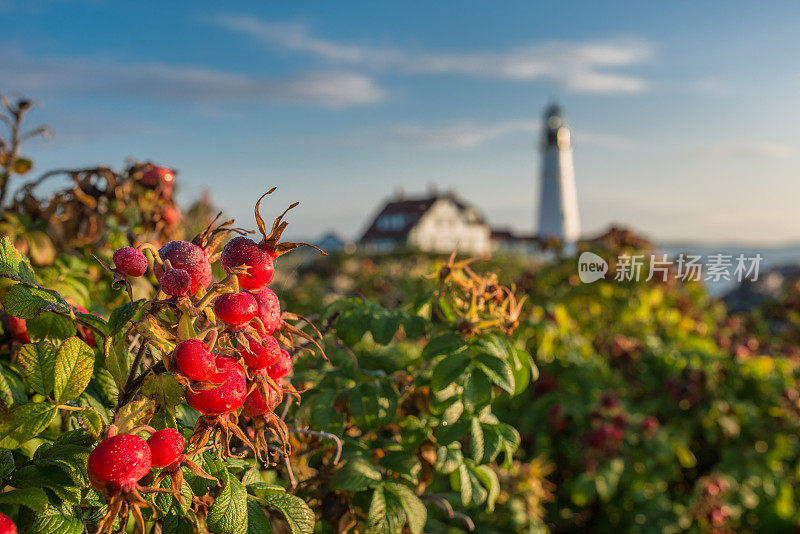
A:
(411, 211)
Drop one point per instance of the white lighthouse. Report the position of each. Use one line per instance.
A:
(558, 203)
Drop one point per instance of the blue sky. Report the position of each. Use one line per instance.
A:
(685, 116)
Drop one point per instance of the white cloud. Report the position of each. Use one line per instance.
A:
(578, 67)
(759, 150)
(469, 134)
(180, 82)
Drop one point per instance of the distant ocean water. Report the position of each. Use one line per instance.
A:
(771, 257)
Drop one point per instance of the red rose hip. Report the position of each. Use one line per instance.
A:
(228, 396)
(195, 360)
(119, 462)
(255, 406)
(7, 526)
(176, 282)
(269, 310)
(260, 355)
(282, 367)
(166, 447)
(190, 258)
(236, 309)
(244, 253)
(130, 261)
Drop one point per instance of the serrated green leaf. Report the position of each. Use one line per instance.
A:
(228, 514)
(26, 302)
(13, 390)
(14, 263)
(25, 422)
(296, 512)
(443, 344)
(446, 434)
(50, 326)
(37, 365)
(497, 369)
(91, 420)
(414, 508)
(257, 520)
(448, 370)
(376, 516)
(53, 521)
(33, 498)
(73, 369)
(70, 458)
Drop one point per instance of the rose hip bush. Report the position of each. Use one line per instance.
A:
(193, 401)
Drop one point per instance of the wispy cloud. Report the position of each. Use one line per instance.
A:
(180, 82)
(579, 67)
(758, 150)
(466, 134)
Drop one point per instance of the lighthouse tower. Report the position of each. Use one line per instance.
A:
(558, 203)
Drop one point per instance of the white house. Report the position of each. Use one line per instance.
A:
(438, 223)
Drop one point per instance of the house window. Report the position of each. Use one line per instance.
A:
(390, 222)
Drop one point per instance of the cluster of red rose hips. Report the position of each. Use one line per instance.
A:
(244, 325)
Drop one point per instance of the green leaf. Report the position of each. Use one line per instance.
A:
(296, 512)
(56, 480)
(446, 434)
(175, 524)
(489, 479)
(383, 326)
(414, 508)
(52, 521)
(167, 391)
(117, 360)
(414, 326)
(73, 370)
(37, 365)
(6, 463)
(449, 369)
(120, 316)
(50, 326)
(13, 263)
(133, 414)
(376, 516)
(33, 498)
(24, 423)
(498, 370)
(443, 344)
(257, 520)
(70, 458)
(91, 420)
(356, 475)
(228, 514)
(477, 390)
(476, 447)
(26, 302)
(352, 325)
